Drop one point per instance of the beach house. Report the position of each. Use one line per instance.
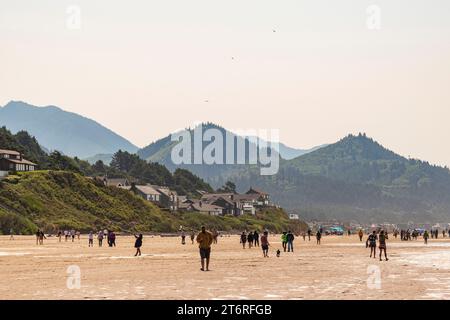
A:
(11, 160)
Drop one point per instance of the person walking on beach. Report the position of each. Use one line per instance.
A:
(309, 234)
(183, 238)
(138, 244)
(243, 239)
(112, 239)
(382, 244)
(59, 235)
(256, 238)
(72, 234)
(38, 235)
(284, 240)
(11, 234)
(290, 241)
(372, 243)
(41, 237)
(192, 236)
(91, 239)
(66, 235)
(425, 237)
(78, 235)
(360, 235)
(304, 235)
(100, 238)
(265, 244)
(215, 235)
(318, 236)
(250, 239)
(204, 240)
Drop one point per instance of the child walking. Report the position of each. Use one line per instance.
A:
(138, 244)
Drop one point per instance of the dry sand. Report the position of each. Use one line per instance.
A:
(337, 269)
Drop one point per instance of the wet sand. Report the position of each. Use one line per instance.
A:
(337, 269)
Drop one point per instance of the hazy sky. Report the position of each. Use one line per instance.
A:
(146, 68)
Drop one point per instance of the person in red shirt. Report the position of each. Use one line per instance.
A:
(265, 244)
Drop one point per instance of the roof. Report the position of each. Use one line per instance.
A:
(246, 197)
(115, 182)
(164, 190)
(185, 204)
(205, 207)
(214, 196)
(5, 151)
(254, 190)
(23, 161)
(148, 190)
(229, 201)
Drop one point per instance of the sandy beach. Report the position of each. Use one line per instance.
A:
(339, 268)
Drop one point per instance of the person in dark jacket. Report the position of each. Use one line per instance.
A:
(112, 239)
(250, 239)
(290, 241)
(138, 244)
(243, 239)
(318, 237)
(256, 238)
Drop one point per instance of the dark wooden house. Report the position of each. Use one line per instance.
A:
(11, 160)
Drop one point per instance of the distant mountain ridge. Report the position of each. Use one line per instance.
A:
(216, 174)
(155, 150)
(64, 131)
(355, 178)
